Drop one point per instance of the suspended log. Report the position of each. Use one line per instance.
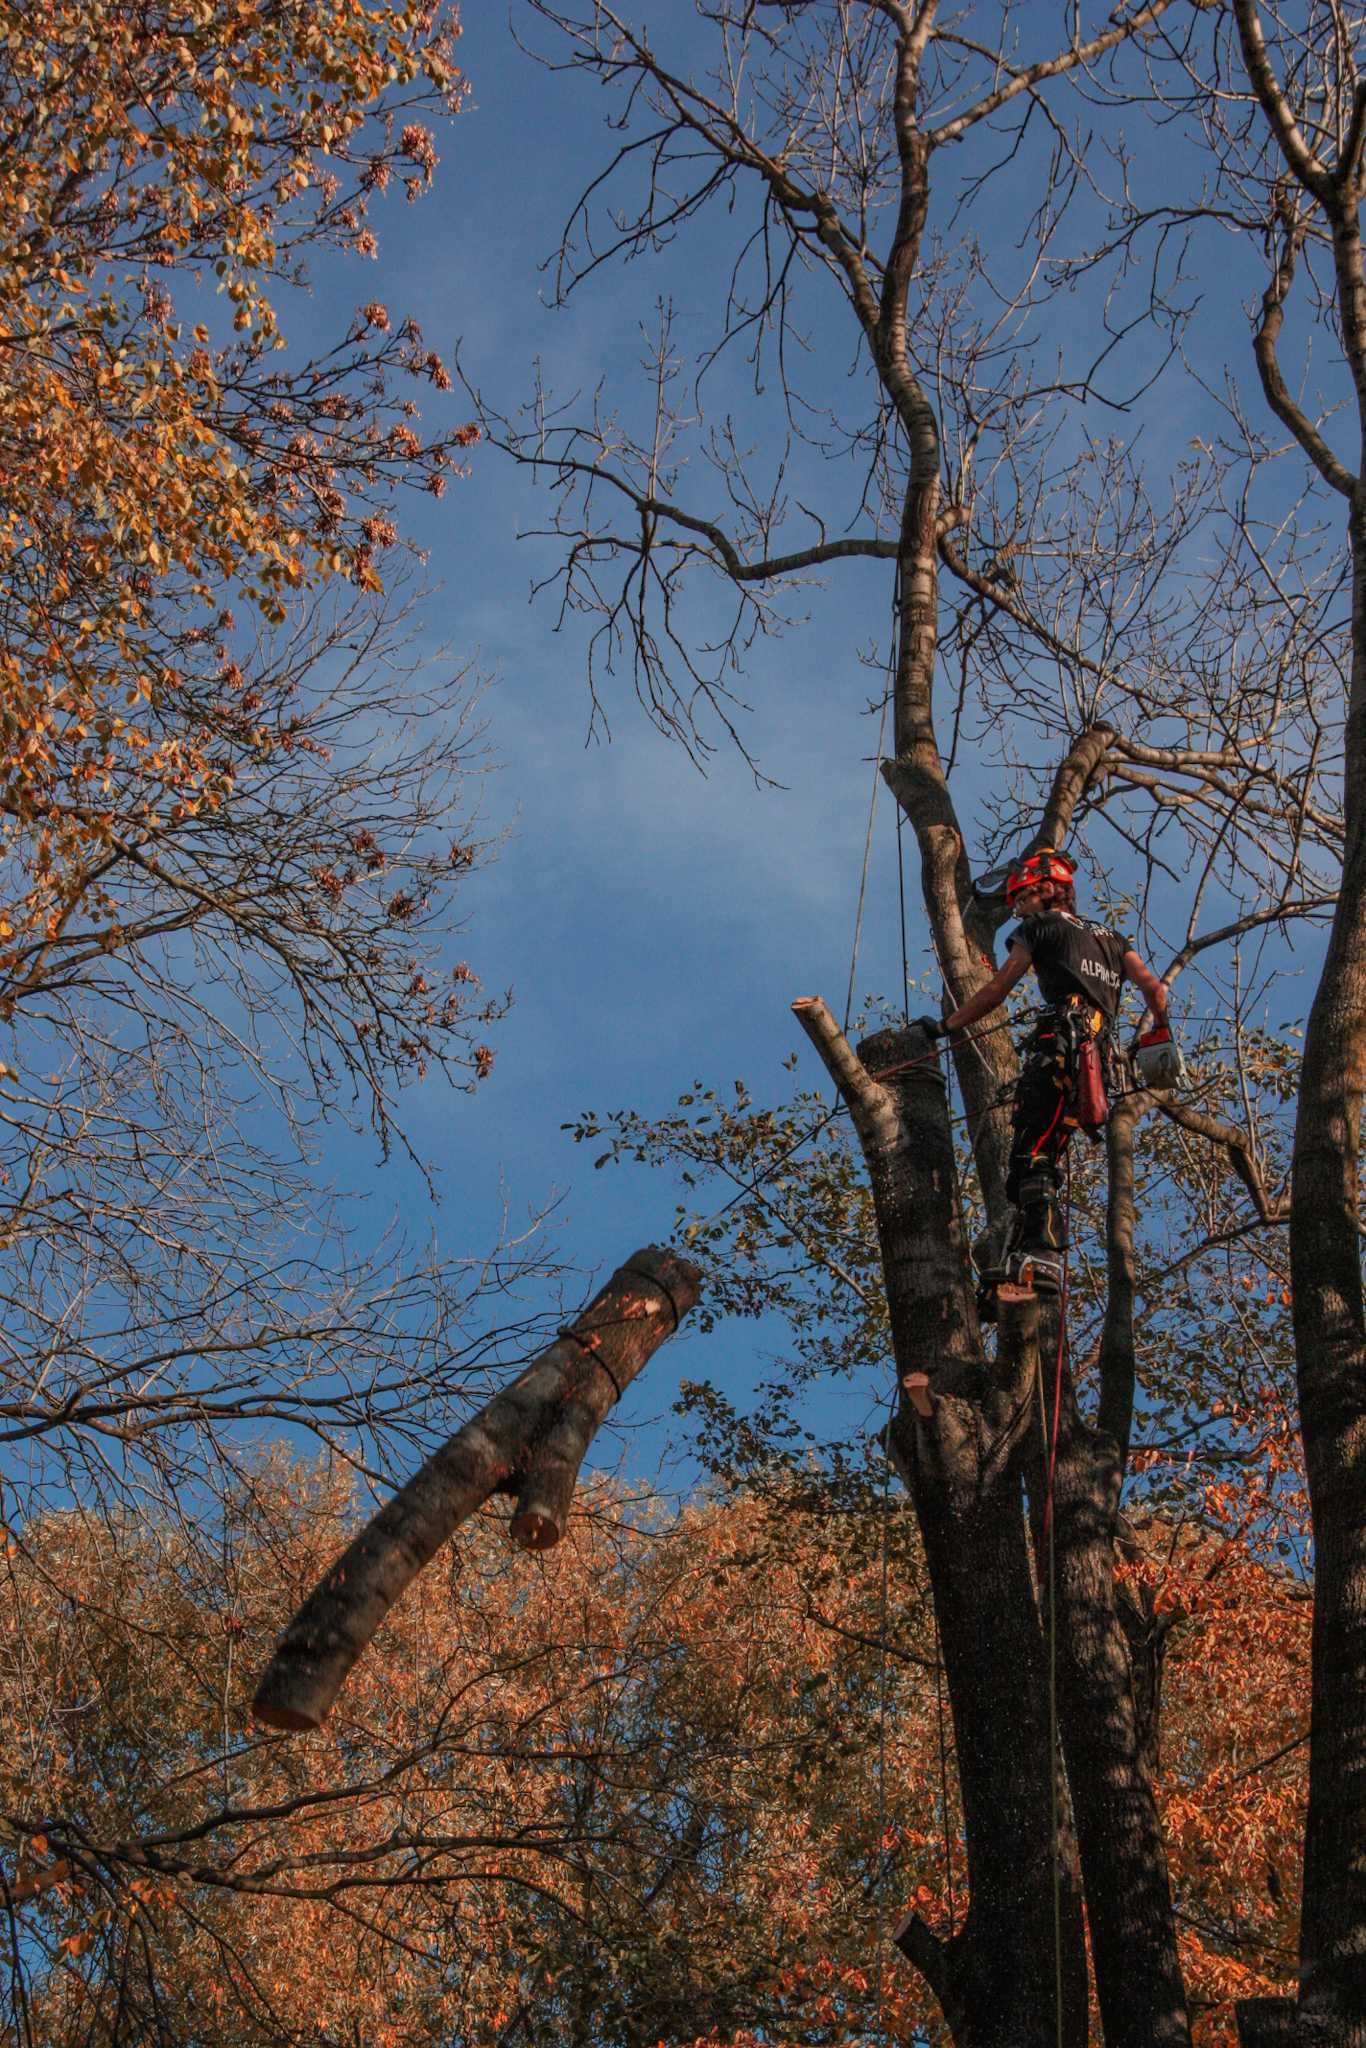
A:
(531, 1438)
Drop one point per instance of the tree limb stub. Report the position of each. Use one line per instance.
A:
(869, 1103)
(935, 1961)
(537, 1431)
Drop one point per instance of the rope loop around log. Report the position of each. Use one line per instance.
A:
(590, 1351)
(664, 1288)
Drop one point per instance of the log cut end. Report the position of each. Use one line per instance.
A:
(679, 1280)
(298, 1687)
(532, 1531)
(277, 1714)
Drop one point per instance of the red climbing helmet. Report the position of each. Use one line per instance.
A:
(1043, 865)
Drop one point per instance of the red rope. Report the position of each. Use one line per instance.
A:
(1057, 1368)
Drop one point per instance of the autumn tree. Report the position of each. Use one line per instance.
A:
(657, 1780)
(234, 807)
(225, 909)
(1146, 665)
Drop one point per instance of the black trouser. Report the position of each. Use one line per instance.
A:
(1044, 1121)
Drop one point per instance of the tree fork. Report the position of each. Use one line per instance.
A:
(534, 1433)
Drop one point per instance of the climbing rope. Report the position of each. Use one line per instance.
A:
(1058, 1364)
(1049, 1444)
(867, 856)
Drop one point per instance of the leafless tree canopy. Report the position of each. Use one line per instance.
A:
(931, 260)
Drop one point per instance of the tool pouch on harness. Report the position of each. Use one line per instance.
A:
(1089, 1106)
(1089, 1102)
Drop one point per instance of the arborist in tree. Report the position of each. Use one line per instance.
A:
(1081, 968)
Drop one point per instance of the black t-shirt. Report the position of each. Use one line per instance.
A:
(1073, 957)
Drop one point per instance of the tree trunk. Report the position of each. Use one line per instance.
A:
(1330, 1338)
(1325, 1232)
(1123, 1857)
(1020, 1949)
(533, 1435)
(1267, 2023)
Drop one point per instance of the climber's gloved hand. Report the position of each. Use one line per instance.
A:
(931, 1026)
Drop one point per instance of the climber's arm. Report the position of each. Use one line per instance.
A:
(992, 993)
(1153, 991)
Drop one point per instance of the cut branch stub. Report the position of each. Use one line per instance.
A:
(537, 1430)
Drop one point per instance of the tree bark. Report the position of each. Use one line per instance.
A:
(1267, 2022)
(533, 1434)
(1123, 1857)
(1106, 1740)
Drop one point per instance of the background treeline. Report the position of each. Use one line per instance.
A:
(671, 1785)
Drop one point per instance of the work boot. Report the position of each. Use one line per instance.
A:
(989, 1263)
(1042, 1271)
(994, 1256)
(1037, 1255)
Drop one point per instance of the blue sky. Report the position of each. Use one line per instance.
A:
(654, 922)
